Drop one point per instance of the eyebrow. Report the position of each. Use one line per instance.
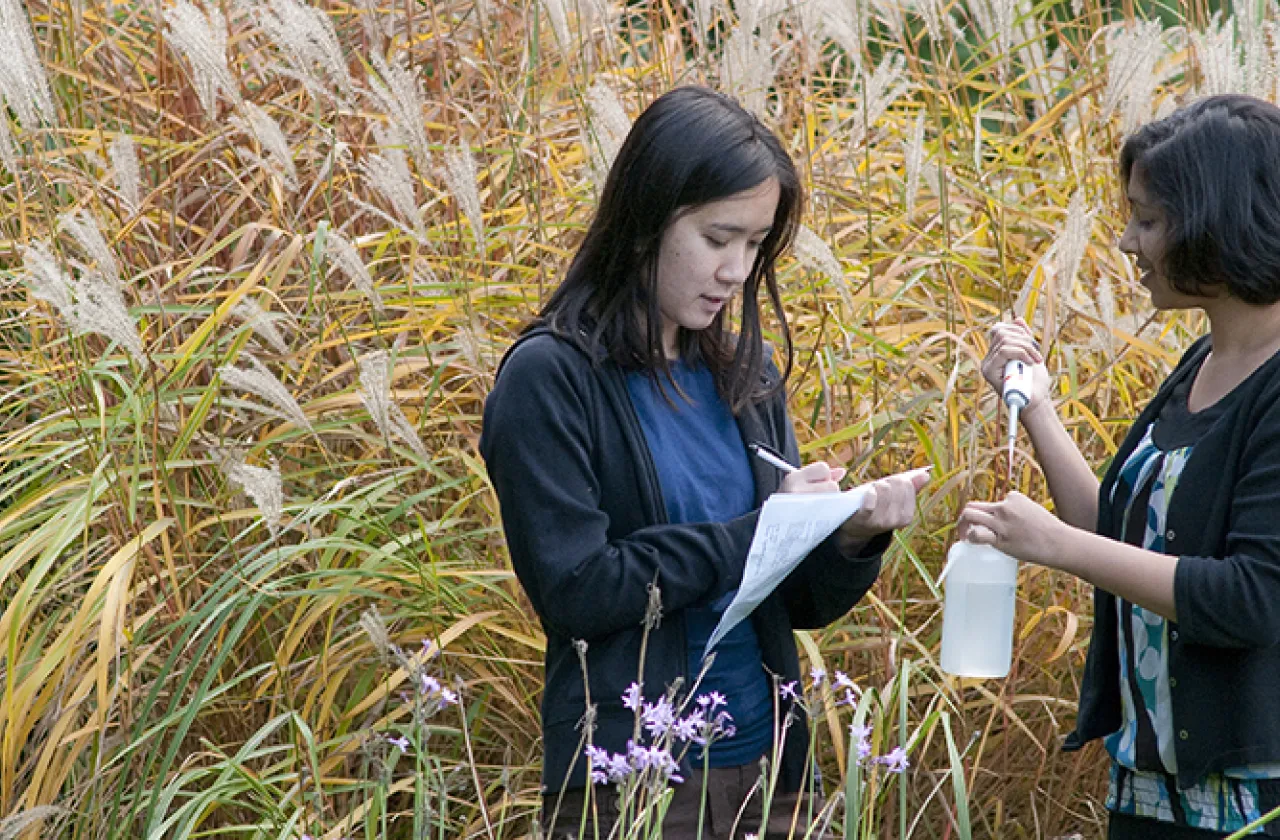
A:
(727, 228)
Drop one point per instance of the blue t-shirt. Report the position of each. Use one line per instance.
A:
(705, 476)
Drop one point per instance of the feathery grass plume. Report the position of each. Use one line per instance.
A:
(84, 229)
(995, 20)
(399, 94)
(937, 20)
(915, 158)
(1041, 73)
(375, 393)
(1106, 299)
(559, 16)
(1258, 66)
(1070, 245)
(88, 304)
(23, 83)
(261, 322)
(262, 485)
(816, 254)
(344, 257)
(261, 382)
(8, 146)
(610, 124)
(258, 124)
(1221, 71)
(376, 629)
(387, 172)
(1132, 54)
(376, 29)
(201, 38)
(460, 176)
(704, 14)
(879, 92)
(17, 823)
(749, 64)
(124, 164)
(845, 23)
(893, 15)
(307, 43)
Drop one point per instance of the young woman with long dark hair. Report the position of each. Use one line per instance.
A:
(616, 438)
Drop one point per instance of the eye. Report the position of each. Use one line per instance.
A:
(715, 243)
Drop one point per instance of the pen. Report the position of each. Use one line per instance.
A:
(769, 458)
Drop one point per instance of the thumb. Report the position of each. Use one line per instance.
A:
(868, 500)
(920, 478)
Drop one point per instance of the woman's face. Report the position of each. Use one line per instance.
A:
(1146, 237)
(706, 255)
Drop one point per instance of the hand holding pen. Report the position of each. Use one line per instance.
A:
(817, 477)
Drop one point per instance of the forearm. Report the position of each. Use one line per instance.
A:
(1139, 576)
(1072, 483)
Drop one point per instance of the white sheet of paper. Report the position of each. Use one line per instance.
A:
(790, 526)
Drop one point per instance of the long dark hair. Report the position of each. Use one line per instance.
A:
(1214, 168)
(690, 147)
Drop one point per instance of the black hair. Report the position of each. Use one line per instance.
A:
(1214, 168)
(690, 147)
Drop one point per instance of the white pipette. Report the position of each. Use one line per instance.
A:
(1016, 393)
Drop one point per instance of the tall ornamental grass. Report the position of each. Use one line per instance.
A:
(258, 262)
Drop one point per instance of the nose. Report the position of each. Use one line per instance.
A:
(1129, 239)
(736, 265)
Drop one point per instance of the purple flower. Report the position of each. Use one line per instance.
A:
(632, 697)
(817, 673)
(843, 681)
(863, 735)
(788, 691)
(658, 717)
(401, 743)
(712, 701)
(430, 685)
(895, 761)
(448, 698)
(690, 728)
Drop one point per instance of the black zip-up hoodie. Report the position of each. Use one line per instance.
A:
(588, 534)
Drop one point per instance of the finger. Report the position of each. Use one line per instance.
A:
(869, 502)
(980, 535)
(814, 473)
(838, 473)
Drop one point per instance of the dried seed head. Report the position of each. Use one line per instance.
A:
(84, 229)
(559, 16)
(259, 125)
(261, 322)
(88, 304)
(1221, 70)
(460, 175)
(261, 484)
(1132, 52)
(23, 83)
(915, 158)
(307, 43)
(815, 254)
(879, 91)
(124, 164)
(8, 146)
(201, 38)
(261, 382)
(344, 258)
(608, 124)
(376, 629)
(375, 393)
(387, 173)
(1070, 246)
(399, 94)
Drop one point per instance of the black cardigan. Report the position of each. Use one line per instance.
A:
(1224, 525)
(587, 530)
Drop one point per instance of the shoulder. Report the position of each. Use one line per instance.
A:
(542, 353)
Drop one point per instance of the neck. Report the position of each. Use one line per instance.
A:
(1243, 331)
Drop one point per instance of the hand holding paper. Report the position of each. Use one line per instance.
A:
(790, 526)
